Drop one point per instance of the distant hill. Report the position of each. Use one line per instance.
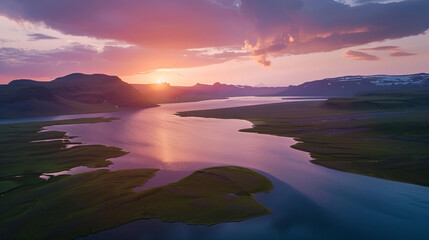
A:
(71, 94)
(164, 93)
(340, 86)
(81, 93)
(352, 85)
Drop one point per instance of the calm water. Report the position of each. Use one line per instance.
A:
(308, 202)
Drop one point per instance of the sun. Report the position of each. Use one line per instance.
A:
(160, 80)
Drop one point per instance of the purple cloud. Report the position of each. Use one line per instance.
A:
(39, 36)
(326, 25)
(150, 23)
(269, 28)
(360, 55)
(395, 51)
(317, 25)
(381, 48)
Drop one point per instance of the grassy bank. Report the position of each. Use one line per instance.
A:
(383, 135)
(27, 152)
(66, 207)
(70, 206)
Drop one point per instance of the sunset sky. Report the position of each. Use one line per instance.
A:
(273, 42)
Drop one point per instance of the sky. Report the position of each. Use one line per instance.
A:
(248, 42)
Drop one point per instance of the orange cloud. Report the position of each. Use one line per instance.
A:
(399, 53)
(360, 55)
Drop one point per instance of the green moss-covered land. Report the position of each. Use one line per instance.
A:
(27, 152)
(383, 135)
(69, 206)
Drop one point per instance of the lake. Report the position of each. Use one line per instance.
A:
(308, 202)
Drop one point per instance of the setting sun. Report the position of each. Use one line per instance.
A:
(160, 80)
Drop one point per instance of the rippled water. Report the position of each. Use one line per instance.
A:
(308, 202)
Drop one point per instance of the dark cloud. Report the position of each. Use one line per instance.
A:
(318, 25)
(265, 13)
(381, 48)
(326, 25)
(39, 36)
(360, 55)
(308, 26)
(149, 23)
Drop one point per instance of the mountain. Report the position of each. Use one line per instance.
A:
(71, 94)
(164, 93)
(352, 85)
(80, 93)
(339, 86)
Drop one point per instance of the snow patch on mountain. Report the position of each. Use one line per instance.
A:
(388, 80)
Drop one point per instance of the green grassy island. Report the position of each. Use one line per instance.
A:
(69, 206)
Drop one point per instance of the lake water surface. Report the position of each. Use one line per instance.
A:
(308, 202)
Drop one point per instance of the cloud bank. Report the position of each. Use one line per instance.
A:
(266, 29)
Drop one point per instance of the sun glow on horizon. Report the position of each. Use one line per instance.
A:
(160, 80)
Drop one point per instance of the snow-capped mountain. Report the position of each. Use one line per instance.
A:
(352, 85)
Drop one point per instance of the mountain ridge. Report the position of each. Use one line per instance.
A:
(359, 84)
(71, 94)
(164, 93)
(92, 93)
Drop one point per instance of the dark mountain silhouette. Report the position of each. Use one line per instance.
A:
(352, 85)
(164, 93)
(81, 93)
(74, 93)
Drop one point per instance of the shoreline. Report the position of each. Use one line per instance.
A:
(104, 199)
(338, 139)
